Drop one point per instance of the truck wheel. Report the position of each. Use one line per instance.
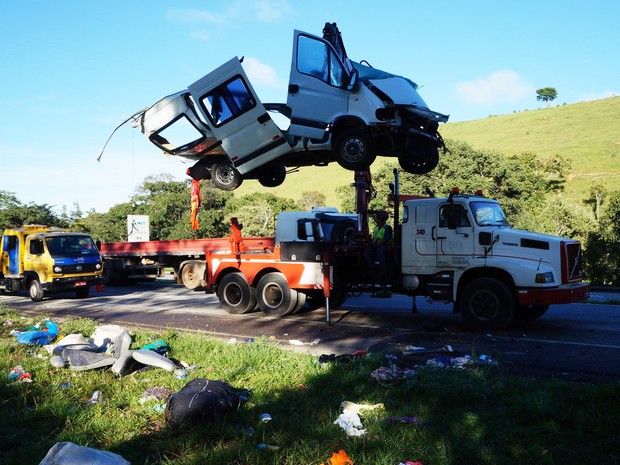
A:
(236, 295)
(82, 292)
(274, 295)
(301, 301)
(225, 176)
(530, 312)
(354, 149)
(191, 275)
(35, 290)
(487, 303)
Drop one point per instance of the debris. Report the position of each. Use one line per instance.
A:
(411, 420)
(95, 398)
(339, 458)
(357, 408)
(295, 342)
(57, 361)
(268, 446)
(18, 374)
(38, 337)
(351, 423)
(265, 418)
(158, 393)
(66, 453)
(392, 374)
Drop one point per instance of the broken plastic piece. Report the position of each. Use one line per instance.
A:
(68, 453)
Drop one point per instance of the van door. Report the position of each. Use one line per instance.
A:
(237, 117)
(317, 91)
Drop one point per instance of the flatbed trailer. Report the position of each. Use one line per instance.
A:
(147, 260)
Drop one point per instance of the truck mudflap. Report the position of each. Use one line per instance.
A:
(566, 294)
(71, 283)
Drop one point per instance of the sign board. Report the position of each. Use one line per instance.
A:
(137, 228)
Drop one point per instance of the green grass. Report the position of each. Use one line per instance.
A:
(481, 415)
(586, 133)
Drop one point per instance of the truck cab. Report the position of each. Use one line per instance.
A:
(41, 260)
(462, 249)
(336, 110)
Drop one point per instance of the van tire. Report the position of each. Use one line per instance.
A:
(419, 165)
(272, 175)
(487, 303)
(274, 295)
(354, 149)
(225, 176)
(35, 290)
(236, 295)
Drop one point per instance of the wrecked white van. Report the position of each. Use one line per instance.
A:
(337, 110)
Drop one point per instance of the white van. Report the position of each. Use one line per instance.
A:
(338, 110)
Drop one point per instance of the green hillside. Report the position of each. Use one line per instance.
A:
(588, 134)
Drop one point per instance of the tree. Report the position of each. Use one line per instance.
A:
(546, 94)
(311, 199)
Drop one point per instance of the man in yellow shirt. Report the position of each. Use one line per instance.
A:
(381, 238)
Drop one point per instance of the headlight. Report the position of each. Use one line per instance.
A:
(544, 278)
(57, 269)
(98, 266)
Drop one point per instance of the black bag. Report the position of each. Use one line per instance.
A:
(201, 400)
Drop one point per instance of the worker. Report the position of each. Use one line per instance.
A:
(380, 240)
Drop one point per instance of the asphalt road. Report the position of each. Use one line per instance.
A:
(577, 341)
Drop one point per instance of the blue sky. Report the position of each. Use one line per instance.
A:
(73, 70)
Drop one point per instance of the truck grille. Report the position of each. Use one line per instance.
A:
(81, 268)
(574, 262)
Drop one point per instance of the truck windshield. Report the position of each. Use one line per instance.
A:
(59, 246)
(488, 214)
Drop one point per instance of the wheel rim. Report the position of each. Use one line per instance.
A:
(225, 174)
(233, 294)
(272, 295)
(485, 305)
(353, 150)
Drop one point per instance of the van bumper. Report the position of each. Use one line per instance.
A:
(68, 284)
(566, 294)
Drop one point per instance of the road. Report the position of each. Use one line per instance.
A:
(577, 341)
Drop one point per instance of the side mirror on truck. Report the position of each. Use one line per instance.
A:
(353, 80)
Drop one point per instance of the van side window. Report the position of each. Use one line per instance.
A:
(315, 58)
(227, 101)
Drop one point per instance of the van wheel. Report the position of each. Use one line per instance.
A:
(274, 296)
(225, 176)
(530, 312)
(236, 295)
(82, 292)
(35, 291)
(272, 175)
(416, 164)
(354, 149)
(487, 303)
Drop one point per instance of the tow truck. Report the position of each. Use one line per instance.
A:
(336, 110)
(45, 260)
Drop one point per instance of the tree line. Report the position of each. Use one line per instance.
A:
(526, 186)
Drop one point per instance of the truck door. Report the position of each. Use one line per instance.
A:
(317, 91)
(10, 252)
(237, 117)
(455, 238)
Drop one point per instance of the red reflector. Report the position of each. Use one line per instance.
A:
(276, 137)
(455, 190)
(99, 288)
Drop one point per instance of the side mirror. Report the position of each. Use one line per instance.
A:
(353, 80)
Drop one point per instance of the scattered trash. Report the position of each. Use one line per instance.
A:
(158, 346)
(459, 362)
(37, 336)
(268, 446)
(157, 393)
(95, 398)
(392, 374)
(265, 418)
(58, 361)
(19, 375)
(63, 386)
(421, 350)
(66, 453)
(339, 458)
(159, 408)
(248, 339)
(343, 358)
(295, 342)
(357, 408)
(414, 348)
(232, 340)
(351, 423)
(410, 463)
(411, 420)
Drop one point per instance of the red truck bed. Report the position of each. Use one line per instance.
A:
(183, 247)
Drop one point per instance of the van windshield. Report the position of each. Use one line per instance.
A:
(70, 246)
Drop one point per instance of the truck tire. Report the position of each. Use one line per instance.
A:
(35, 290)
(301, 301)
(272, 175)
(82, 292)
(225, 176)
(487, 303)
(414, 163)
(354, 149)
(530, 312)
(192, 275)
(236, 295)
(274, 295)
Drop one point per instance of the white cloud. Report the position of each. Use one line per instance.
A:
(499, 87)
(261, 74)
(597, 95)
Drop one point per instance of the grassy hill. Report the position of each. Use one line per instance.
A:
(588, 134)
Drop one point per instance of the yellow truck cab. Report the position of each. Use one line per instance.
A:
(43, 259)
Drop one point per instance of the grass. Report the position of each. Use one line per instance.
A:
(585, 133)
(480, 415)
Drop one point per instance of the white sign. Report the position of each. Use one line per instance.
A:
(137, 228)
